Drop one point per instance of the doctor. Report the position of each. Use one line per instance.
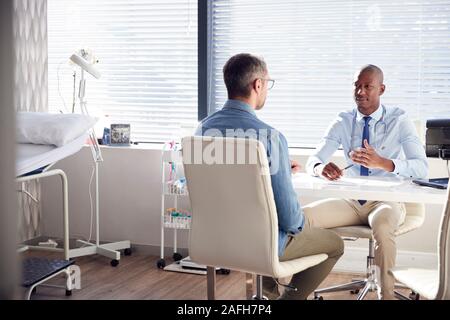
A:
(379, 141)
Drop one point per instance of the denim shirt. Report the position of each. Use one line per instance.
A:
(239, 115)
(391, 133)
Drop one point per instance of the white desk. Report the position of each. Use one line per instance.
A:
(368, 188)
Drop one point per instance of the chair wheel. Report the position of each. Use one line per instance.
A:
(68, 293)
(414, 296)
(177, 257)
(318, 298)
(114, 263)
(356, 291)
(127, 252)
(161, 263)
(224, 271)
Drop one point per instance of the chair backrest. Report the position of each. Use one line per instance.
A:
(234, 219)
(444, 253)
(415, 216)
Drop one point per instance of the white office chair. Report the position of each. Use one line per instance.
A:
(234, 218)
(415, 215)
(432, 284)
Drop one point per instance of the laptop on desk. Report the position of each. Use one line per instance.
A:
(439, 183)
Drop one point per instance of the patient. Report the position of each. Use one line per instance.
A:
(247, 81)
(374, 137)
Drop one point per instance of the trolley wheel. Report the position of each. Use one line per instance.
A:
(68, 293)
(127, 252)
(177, 257)
(161, 263)
(114, 263)
(318, 298)
(224, 271)
(356, 291)
(414, 296)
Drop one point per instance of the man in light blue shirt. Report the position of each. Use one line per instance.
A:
(247, 80)
(377, 141)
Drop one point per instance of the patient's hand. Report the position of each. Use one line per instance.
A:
(329, 171)
(295, 167)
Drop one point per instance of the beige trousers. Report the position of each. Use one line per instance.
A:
(383, 217)
(308, 242)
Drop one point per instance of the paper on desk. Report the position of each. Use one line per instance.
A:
(345, 181)
(340, 182)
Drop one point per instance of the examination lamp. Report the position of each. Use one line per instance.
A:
(85, 60)
(85, 65)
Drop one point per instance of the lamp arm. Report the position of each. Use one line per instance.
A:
(95, 148)
(73, 98)
(82, 92)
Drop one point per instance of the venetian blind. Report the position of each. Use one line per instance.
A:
(147, 53)
(313, 48)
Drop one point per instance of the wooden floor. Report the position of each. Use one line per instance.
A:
(138, 278)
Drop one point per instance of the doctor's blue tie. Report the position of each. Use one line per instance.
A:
(365, 136)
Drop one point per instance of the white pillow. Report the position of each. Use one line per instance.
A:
(48, 128)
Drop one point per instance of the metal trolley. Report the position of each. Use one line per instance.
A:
(173, 187)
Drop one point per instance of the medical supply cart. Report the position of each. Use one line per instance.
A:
(173, 188)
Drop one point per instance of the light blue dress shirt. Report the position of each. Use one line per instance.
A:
(391, 133)
(239, 115)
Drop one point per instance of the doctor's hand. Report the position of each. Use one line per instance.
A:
(295, 167)
(369, 158)
(329, 171)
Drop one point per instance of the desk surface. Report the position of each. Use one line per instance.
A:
(368, 188)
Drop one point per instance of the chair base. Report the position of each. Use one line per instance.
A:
(362, 287)
(359, 286)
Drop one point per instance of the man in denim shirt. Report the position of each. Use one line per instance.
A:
(247, 81)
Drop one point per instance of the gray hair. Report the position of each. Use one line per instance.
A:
(239, 71)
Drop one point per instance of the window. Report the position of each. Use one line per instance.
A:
(313, 48)
(147, 53)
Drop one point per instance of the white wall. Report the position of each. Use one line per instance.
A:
(130, 200)
(130, 196)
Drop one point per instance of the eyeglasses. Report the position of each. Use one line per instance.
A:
(270, 83)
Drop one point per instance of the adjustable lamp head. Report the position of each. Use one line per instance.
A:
(85, 65)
